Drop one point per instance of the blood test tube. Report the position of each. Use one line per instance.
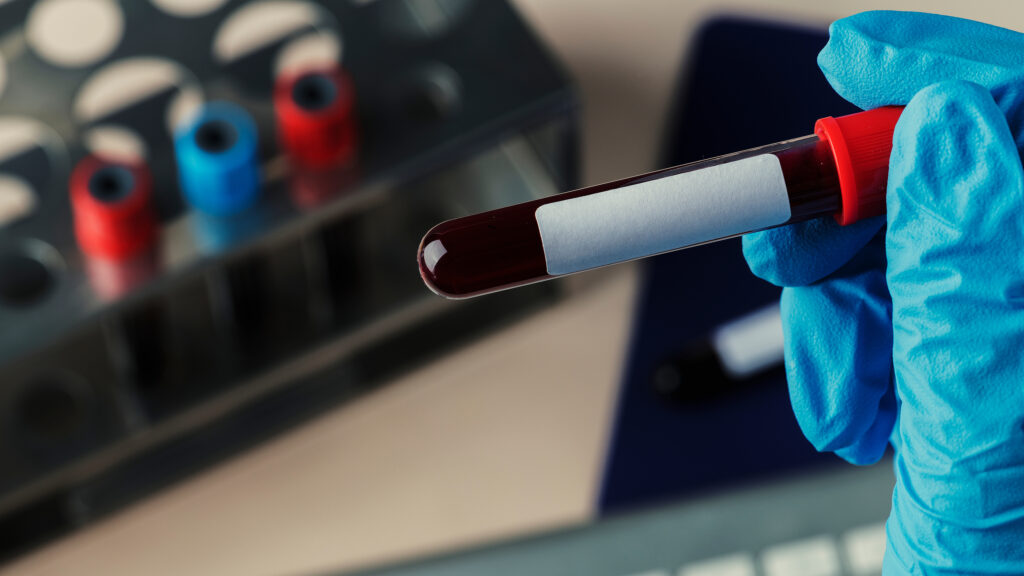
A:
(839, 171)
(315, 112)
(111, 204)
(217, 162)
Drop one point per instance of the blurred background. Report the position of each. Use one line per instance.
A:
(217, 356)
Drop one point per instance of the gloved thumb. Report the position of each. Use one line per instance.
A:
(955, 249)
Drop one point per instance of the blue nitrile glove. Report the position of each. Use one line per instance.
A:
(910, 328)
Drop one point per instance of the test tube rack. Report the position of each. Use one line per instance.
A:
(141, 340)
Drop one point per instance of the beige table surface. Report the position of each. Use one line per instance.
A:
(499, 438)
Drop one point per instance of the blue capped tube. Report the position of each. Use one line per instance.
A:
(217, 161)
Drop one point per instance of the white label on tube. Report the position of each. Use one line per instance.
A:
(664, 214)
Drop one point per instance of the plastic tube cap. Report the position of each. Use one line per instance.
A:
(861, 145)
(315, 111)
(111, 204)
(217, 160)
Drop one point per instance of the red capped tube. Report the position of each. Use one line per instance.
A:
(111, 201)
(316, 122)
(841, 172)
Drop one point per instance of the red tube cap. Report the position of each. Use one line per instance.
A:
(861, 144)
(111, 203)
(315, 111)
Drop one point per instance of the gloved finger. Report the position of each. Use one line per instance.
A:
(806, 252)
(881, 58)
(838, 345)
(956, 275)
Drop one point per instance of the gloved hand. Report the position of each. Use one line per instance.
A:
(910, 327)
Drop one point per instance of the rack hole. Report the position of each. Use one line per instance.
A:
(188, 8)
(24, 280)
(17, 199)
(74, 33)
